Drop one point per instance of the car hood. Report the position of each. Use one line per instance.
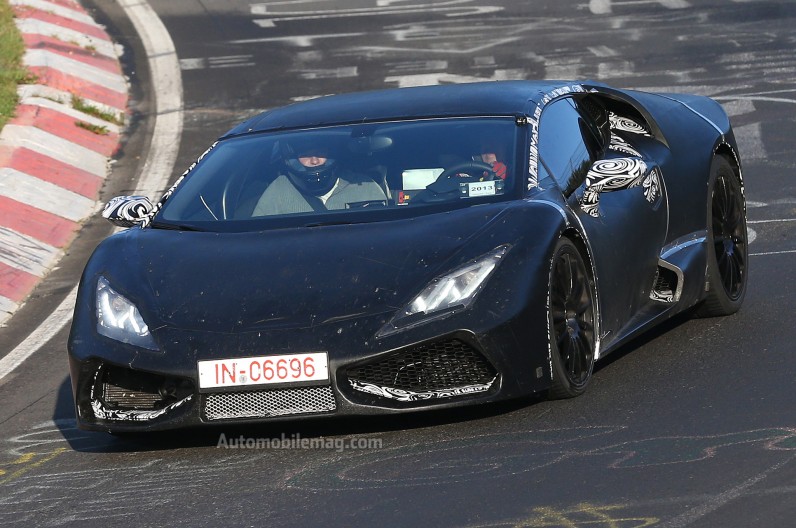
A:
(291, 278)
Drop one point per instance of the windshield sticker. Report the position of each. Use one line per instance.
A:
(485, 188)
(533, 158)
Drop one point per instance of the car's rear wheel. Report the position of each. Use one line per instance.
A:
(728, 253)
(572, 321)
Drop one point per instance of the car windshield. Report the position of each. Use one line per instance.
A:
(350, 173)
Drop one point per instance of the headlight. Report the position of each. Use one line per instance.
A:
(444, 295)
(119, 319)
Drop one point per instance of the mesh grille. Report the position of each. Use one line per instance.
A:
(435, 366)
(129, 398)
(260, 404)
(662, 283)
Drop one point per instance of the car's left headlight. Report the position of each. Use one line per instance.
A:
(119, 319)
(444, 295)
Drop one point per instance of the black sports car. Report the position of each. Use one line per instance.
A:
(409, 249)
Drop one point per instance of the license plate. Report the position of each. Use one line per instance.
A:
(264, 370)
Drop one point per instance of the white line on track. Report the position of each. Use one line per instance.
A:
(784, 252)
(771, 221)
(167, 82)
(774, 220)
(39, 337)
(754, 98)
(694, 514)
(166, 76)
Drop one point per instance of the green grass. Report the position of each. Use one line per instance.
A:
(81, 105)
(96, 129)
(12, 72)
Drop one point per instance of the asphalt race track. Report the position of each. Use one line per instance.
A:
(692, 426)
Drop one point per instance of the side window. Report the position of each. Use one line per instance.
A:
(562, 144)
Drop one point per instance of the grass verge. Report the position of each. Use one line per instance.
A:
(12, 72)
(96, 129)
(81, 105)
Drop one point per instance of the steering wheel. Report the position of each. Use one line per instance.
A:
(470, 168)
(447, 184)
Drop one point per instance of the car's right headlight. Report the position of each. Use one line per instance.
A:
(119, 319)
(445, 295)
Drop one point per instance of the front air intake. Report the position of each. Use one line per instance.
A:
(433, 370)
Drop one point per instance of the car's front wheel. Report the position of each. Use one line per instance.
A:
(727, 241)
(572, 321)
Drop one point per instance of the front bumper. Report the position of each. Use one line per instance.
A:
(448, 371)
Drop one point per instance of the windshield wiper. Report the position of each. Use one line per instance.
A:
(330, 223)
(174, 227)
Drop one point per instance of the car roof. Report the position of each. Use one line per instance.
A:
(473, 99)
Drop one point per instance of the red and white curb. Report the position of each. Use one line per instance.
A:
(53, 157)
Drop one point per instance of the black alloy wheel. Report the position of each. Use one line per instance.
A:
(572, 319)
(728, 252)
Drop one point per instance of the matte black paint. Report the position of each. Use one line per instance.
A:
(331, 288)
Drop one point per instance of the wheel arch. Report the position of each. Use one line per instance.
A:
(727, 151)
(582, 244)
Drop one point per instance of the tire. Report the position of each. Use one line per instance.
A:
(727, 241)
(572, 320)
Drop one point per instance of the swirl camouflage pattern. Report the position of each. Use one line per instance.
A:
(652, 185)
(615, 174)
(627, 125)
(127, 210)
(404, 395)
(618, 174)
(623, 147)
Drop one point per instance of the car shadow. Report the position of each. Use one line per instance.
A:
(323, 426)
(647, 337)
(208, 436)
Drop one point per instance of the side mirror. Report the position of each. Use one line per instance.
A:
(617, 174)
(127, 211)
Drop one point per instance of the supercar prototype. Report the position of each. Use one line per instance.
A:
(409, 249)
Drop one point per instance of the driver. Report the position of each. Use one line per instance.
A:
(498, 167)
(491, 152)
(489, 158)
(310, 181)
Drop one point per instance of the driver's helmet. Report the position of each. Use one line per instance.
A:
(310, 169)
